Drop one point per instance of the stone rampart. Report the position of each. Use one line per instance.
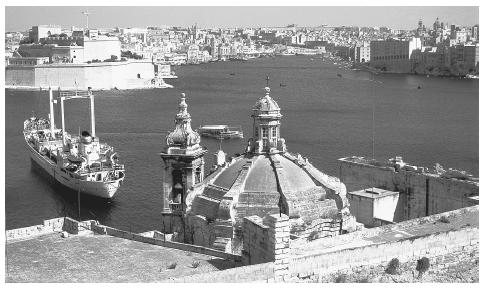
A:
(100, 229)
(421, 194)
(102, 75)
(315, 264)
(254, 273)
(49, 226)
(431, 246)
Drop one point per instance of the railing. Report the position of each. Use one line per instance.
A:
(75, 93)
(176, 208)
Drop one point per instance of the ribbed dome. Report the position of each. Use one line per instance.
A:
(266, 103)
(262, 177)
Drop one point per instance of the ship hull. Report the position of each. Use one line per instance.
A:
(105, 190)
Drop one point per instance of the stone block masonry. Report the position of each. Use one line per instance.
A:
(267, 240)
(421, 194)
(50, 226)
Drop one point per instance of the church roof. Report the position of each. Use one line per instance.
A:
(259, 181)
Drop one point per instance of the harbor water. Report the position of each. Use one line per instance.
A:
(328, 112)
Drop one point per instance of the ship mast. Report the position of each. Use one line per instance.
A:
(93, 117)
(51, 115)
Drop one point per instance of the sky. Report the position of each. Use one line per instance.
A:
(397, 17)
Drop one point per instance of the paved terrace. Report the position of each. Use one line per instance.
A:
(99, 258)
(467, 217)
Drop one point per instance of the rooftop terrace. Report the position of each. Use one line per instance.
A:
(100, 258)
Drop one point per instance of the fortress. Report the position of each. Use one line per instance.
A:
(34, 73)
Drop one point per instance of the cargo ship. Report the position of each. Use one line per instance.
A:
(79, 162)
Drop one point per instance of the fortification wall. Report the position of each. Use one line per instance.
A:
(63, 76)
(410, 249)
(50, 226)
(108, 75)
(421, 194)
(20, 76)
(439, 247)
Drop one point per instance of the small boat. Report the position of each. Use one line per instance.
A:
(220, 131)
(232, 73)
(282, 85)
(419, 86)
(339, 75)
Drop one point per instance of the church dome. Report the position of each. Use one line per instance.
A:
(266, 179)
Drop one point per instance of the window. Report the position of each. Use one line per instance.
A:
(274, 132)
(264, 132)
(198, 175)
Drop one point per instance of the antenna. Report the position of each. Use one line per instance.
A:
(267, 79)
(87, 13)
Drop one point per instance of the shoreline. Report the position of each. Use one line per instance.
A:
(32, 88)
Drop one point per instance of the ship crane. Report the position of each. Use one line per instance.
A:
(65, 95)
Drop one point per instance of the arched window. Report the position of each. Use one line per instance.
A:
(198, 176)
(177, 192)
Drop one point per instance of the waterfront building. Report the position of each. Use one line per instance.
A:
(465, 57)
(393, 55)
(266, 179)
(361, 53)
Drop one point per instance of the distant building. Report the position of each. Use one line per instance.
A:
(475, 33)
(42, 31)
(464, 58)
(393, 55)
(75, 49)
(361, 54)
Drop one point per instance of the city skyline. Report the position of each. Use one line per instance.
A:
(21, 18)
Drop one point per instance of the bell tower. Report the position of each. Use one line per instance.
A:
(183, 167)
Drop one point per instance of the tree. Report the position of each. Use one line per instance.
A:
(422, 266)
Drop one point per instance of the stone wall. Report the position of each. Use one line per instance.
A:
(49, 226)
(105, 75)
(421, 194)
(410, 249)
(267, 240)
(261, 236)
(254, 273)
(100, 229)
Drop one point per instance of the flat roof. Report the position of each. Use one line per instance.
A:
(100, 258)
(373, 193)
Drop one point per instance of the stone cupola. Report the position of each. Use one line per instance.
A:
(183, 140)
(266, 126)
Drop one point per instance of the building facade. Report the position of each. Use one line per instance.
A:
(393, 55)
